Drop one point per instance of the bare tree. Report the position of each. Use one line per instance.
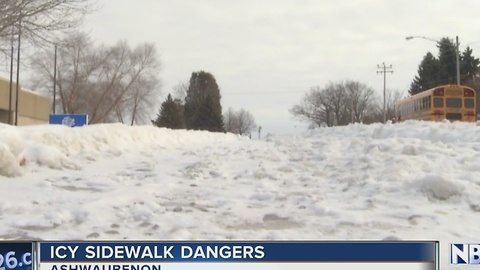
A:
(336, 94)
(132, 81)
(246, 122)
(41, 19)
(239, 122)
(337, 104)
(110, 84)
(316, 108)
(363, 100)
(180, 90)
(229, 120)
(391, 98)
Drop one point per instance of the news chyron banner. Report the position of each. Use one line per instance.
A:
(237, 255)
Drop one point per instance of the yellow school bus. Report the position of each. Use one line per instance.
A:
(451, 102)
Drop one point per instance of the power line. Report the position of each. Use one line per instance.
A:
(383, 69)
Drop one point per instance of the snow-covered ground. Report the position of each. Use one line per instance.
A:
(411, 181)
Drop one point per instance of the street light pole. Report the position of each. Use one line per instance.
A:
(11, 80)
(457, 53)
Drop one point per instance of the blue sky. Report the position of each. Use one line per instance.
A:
(266, 54)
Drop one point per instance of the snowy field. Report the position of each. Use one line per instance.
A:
(410, 181)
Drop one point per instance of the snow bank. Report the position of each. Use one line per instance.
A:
(447, 132)
(53, 145)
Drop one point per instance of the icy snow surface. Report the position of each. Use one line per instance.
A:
(407, 181)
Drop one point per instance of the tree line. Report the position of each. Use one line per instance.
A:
(198, 107)
(41, 21)
(345, 102)
(116, 83)
(442, 69)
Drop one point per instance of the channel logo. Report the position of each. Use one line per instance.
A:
(465, 254)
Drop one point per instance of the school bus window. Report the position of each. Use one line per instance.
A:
(454, 102)
(438, 102)
(469, 103)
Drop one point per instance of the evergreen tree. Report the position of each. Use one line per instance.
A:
(203, 110)
(443, 70)
(427, 75)
(468, 66)
(447, 59)
(170, 115)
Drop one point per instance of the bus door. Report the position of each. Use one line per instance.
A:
(469, 108)
(454, 104)
(438, 108)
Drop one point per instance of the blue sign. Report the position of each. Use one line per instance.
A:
(71, 120)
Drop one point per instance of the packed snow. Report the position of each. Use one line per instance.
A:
(407, 181)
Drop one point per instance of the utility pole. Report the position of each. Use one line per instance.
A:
(18, 71)
(384, 69)
(55, 79)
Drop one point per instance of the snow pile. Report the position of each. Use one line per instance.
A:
(57, 146)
